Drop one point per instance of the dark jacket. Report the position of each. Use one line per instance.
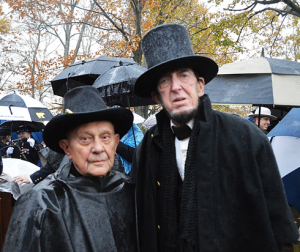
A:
(42, 173)
(71, 213)
(241, 203)
(1, 165)
(3, 148)
(23, 151)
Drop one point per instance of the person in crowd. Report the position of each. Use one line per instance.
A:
(265, 118)
(84, 206)
(5, 138)
(205, 180)
(25, 148)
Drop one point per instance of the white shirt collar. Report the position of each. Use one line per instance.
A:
(190, 124)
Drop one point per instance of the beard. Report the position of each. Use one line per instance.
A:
(183, 117)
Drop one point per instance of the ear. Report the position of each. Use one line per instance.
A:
(155, 98)
(64, 144)
(201, 83)
(117, 136)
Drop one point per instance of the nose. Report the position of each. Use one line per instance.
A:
(97, 147)
(176, 84)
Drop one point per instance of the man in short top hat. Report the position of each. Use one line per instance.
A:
(205, 180)
(84, 206)
(265, 118)
(5, 138)
(25, 148)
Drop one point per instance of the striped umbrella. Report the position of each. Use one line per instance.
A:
(15, 107)
(285, 141)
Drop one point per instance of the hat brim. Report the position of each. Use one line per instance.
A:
(272, 118)
(147, 82)
(57, 128)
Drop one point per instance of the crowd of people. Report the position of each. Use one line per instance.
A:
(199, 180)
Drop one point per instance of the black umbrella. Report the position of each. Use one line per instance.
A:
(261, 81)
(32, 126)
(84, 73)
(117, 86)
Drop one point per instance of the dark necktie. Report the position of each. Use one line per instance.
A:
(182, 132)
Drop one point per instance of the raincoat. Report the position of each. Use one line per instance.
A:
(79, 214)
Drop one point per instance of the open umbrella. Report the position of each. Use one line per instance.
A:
(31, 126)
(84, 73)
(15, 107)
(116, 86)
(285, 141)
(260, 81)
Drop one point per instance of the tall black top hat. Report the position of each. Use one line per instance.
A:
(83, 105)
(167, 48)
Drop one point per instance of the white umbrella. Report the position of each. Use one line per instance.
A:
(287, 152)
(15, 107)
(150, 121)
(137, 118)
(260, 81)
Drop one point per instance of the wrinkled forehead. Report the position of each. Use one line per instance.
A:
(96, 127)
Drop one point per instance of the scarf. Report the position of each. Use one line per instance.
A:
(180, 229)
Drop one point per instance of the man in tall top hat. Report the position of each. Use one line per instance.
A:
(262, 118)
(84, 206)
(25, 148)
(205, 180)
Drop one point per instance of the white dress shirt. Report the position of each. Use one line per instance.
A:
(181, 147)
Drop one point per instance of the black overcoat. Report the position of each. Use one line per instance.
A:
(241, 205)
(74, 214)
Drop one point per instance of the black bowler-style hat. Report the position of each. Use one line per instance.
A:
(167, 48)
(83, 105)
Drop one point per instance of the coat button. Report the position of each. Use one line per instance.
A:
(158, 184)
(151, 135)
(158, 226)
(40, 177)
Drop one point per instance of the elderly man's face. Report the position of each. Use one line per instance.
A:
(179, 92)
(23, 134)
(92, 147)
(264, 122)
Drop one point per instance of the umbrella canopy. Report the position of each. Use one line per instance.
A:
(15, 107)
(260, 81)
(285, 141)
(31, 126)
(117, 86)
(289, 125)
(84, 73)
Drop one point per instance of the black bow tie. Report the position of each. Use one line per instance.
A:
(182, 132)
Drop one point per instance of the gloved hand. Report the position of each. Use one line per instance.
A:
(31, 142)
(9, 150)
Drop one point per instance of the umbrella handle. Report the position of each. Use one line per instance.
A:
(10, 109)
